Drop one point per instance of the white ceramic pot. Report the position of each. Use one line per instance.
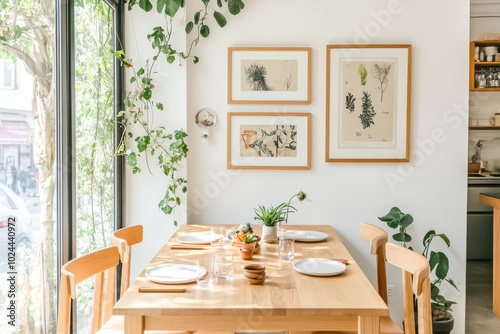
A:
(270, 233)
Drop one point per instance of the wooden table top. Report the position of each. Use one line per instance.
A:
(284, 292)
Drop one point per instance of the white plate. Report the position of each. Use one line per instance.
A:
(306, 236)
(173, 273)
(319, 267)
(198, 238)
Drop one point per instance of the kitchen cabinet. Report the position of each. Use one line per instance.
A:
(484, 72)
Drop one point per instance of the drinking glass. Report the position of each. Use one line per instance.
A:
(205, 274)
(218, 236)
(286, 248)
(224, 269)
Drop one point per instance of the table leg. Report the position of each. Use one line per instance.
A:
(496, 262)
(134, 324)
(368, 325)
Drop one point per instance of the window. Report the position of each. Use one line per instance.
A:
(7, 74)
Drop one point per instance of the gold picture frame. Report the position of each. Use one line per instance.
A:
(368, 103)
(269, 75)
(268, 140)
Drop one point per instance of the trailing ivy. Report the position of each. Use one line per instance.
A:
(169, 149)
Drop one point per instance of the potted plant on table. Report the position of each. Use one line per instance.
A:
(248, 246)
(272, 216)
(442, 319)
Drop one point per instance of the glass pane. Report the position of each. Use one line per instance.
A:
(27, 178)
(94, 126)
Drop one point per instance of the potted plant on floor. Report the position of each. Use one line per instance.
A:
(272, 216)
(442, 319)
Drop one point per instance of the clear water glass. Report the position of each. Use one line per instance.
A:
(286, 248)
(224, 267)
(217, 234)
(205, 273)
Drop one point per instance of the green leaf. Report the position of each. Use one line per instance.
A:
(147, 93)
(442, 266)
(143, 142)
(406, 221)
(141, 71)
(170, 59)
(196, 60)
(189, 27)
(235, 6)
(132, 159)
(171, 7)
(159, 106)
(221, 20)
(196, 17)
(219, 3)
(204, 31)
(145, 5)
(133, 79)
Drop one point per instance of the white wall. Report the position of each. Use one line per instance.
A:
(432, 187)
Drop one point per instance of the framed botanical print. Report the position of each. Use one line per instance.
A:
(269, 75)
(368, 103)
(265, 140)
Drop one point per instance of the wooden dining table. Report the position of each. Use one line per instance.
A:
(286, 301)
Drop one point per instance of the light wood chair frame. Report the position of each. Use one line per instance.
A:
(377, 238)
(124, 239)
(101, 264)
(416, 281)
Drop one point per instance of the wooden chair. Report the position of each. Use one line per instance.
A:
(377, 238)
(124, 239)
(99, 263)
(416, 282)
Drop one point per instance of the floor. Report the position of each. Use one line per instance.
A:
(479, 318)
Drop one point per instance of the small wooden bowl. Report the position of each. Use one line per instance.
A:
(254, 275)
(255, 280)
(254, 268)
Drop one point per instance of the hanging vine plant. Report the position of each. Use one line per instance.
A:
(167, 149)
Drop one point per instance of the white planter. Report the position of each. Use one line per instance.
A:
(270, 233)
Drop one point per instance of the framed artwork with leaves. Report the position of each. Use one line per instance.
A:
(268, 140)
(368, 100)
(269, 75)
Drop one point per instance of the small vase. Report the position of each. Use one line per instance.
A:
(270, 233)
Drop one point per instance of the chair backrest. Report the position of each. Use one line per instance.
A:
(101, 264)
(416, 282)
(377, 238)
(124, 239)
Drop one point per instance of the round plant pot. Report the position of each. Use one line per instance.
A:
(270, 233)
(250, 246)
(438, 326)
(443, 326)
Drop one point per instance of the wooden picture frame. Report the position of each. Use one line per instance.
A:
(269, 75)
(268, 140)
(368, 102)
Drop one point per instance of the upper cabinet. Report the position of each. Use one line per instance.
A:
(484, 72)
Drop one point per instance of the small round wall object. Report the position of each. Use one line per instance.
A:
(205, 119)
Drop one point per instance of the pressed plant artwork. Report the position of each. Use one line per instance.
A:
(270, 141)
(275, 75)
(368, 102)
(372, 120)
(269, 75)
